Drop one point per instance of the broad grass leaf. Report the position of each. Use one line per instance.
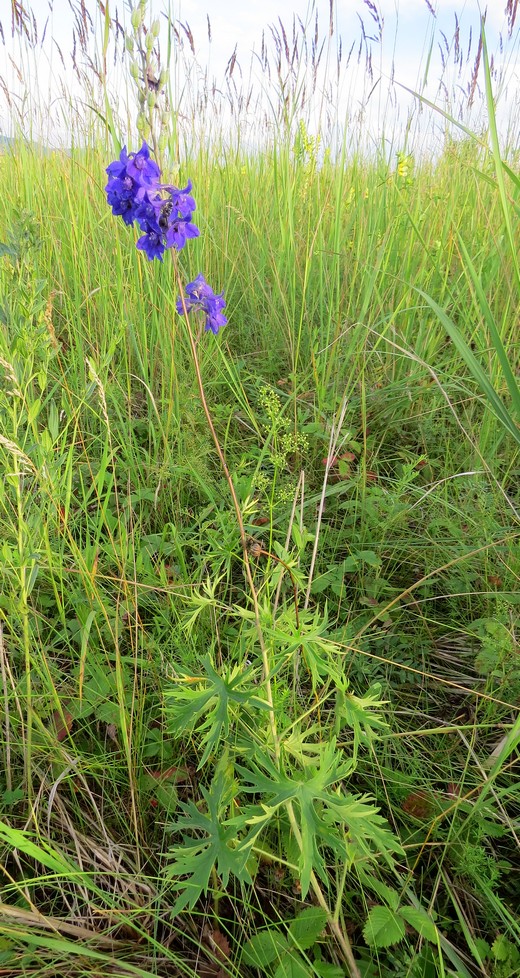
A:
(383, 927)
(497, 405)
(307, 927)
(42, 852)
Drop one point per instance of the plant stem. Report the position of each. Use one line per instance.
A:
(341, 938)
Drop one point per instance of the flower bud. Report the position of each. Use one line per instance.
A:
(141, 123)
(137, 18)
(163, 141)
(134, 70)
(165, 119)
(149, 42)
(129, 43)
(164, 78)
(155, 27)
(151, 100)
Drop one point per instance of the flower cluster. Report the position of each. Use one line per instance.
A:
(200, 295)
(162, 211)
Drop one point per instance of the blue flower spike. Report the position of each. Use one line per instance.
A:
(135, 193)
(200, 295)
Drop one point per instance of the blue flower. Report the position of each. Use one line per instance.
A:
(152, 241)
(200, 295)
(142, 169)
(131, 179)
(179, 231)
(122, 201)
(135, 194)
(182, 200)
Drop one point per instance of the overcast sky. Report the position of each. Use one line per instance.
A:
(402, 48)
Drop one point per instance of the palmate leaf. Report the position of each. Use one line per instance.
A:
(327, 818)
(319, 654)
(207, 704)
(355, 712)
(209, 841)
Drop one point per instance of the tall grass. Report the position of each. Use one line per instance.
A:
(172, 771)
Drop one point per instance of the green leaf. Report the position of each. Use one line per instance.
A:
(321, 810)
(209, 842)
(43, 852)
(326, 970)
(483, 948)
(307, 927)
(355, 712)
(503, 949)
(496, 403)
(6, 249)
(320, 655)
(421, 921)
(370, 558)
(384, 892)
(207, 704)
(292, 966)
(383, 927)
(264, 948)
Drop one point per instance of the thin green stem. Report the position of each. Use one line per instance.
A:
(333, 924)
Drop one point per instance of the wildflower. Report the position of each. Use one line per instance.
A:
(182, 200)
(135, 194)
(404, 167)
(131, 178)
(179, 230)
(151, 242)
(200, 295)
(141, 168)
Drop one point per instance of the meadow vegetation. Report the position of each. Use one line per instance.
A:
(276, 736)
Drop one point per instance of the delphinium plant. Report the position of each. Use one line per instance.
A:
(293, 774)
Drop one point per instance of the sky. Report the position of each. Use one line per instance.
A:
(402, 36)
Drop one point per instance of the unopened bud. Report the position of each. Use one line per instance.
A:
(129, 44)
(163, 141)
(149, 42)
(155, 27)
(137, 18)
(141, 123)
(164, 78)
(134, 70)
(151, 100)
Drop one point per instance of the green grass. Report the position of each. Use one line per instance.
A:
(167, 720)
